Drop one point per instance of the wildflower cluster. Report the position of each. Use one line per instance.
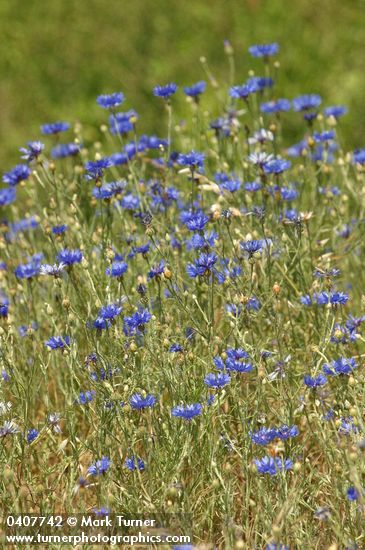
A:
(190, 303)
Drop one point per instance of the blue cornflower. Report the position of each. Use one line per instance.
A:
(316, 381)
(202, 266)
(59, 229)
(196, 221)
(54, 270)
(110, 311)
(139, 403)
(130, 202)
(86, 396)
(176, 348)
(111, 100)
(276, 546)
(196, 89)
(275, 106)
(95, 168)
(263, 436)
(117, 269)
(322, 298)
(217, 380)
(64, 150)
(134, 464)
(336, 111)
(33, 151)
(32, 435)
(157, 270)
(165, 91)
(231, 185)
(187, 411)
(338, 298)
(7, 196)
(108, 190)
(58, 342)
(55, 128)
(197, 241)
(193, 160)
(99, 467)
(136, 322)
(252, 247)
(4, 305)
(243, 91)
(253, 186)
(259, 83)
(276, 166)
(306, 102)
(122, 123)
(352, 494)
(19, 173)
(264, 50)
(272, 466)
(142, 249)
(340, 366)
(236, 360)
(101, 324)
(348, 426)
(359, 156)
(101, 511)
(285, 432)
(27, 271)
(69, 257)
(324, 136)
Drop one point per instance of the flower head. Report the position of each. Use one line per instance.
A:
(165, 91)
(69, 257)
(139, 403)
(264, 50)
(187, 412)
(195, 90)
(55, 128)
(217, 380)
(99, 467)
(110, 101)
(20, 172)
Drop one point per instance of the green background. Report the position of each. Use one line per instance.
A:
(56, 56)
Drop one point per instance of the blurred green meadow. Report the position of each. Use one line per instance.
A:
(57, 56)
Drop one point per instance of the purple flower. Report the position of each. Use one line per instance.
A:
(306, 102)
(69, 257)
(99, 467)
(58, 342)
(20, 172)
(55, 128)
(196, 89)
(7, 196)
(202, 266)
(193, 160)
(139, 403)
(316, 381)
(134, 463)
(33, 151)
(272, 466)
(264, 50)
(217, 380)
(188, 412)
(165, 91)
(110, 101)
(136, 322)
(275, 106)
(117, 269)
